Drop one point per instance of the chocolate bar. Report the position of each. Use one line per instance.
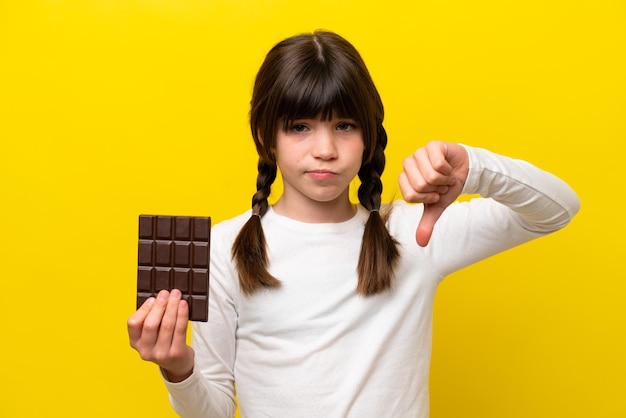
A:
(174, 254)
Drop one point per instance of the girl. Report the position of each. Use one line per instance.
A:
(322, 308)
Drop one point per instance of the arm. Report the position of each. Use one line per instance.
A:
(520, 202)
(199, 378)
(542, 202)
(210, 390)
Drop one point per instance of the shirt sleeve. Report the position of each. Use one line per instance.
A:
(210, 390)
(518, 202)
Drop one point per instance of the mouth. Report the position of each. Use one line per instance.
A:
(321, 174)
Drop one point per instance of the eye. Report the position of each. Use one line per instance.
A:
(345, 126)
(298, 128)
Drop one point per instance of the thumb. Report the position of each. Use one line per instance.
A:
(432, 212)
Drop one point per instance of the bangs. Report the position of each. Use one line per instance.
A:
(317, 92)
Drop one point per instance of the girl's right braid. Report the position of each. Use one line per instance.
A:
(264, 181)
(249, 249)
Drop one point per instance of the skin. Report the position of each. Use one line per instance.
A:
(318, 160)
(434, 175)
(158, 332)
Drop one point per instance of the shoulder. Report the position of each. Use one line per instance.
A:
(403, 218)
(223, 270)
(399, 211)
(232, 224)
(224, 232)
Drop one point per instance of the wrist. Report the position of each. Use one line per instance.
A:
(175, 377)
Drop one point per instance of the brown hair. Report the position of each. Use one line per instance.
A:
(302, 77)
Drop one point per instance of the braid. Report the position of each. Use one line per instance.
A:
(264, 181)
(249, 249)
(371, 185)
(379, 251)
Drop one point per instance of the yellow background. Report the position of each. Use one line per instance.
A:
(109, 109)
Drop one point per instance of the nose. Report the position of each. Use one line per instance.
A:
(324, 146)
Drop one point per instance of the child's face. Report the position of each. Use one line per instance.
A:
(318, 159)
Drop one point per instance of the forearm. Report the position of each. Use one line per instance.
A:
(209, 391)
(195, 397)
(543, 202)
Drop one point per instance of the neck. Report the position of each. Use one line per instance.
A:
(335, 211)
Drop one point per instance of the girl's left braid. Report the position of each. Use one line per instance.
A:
(371, 184)
(379, 250)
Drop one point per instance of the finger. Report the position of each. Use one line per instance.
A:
(136, 320)
(437, 152)
(432, 213)
(152, 323)
(168, 322)
(411, 195)
(417, 168)
(180, 332)
(434, 165)
(425, 170)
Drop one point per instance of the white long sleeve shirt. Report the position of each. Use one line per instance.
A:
(314, 347)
